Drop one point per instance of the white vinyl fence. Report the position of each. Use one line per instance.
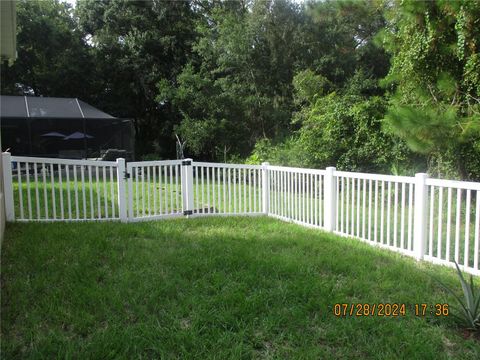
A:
(430, 219)
(296, 195)
(41, 189)
(226, 189)
(378, 209)
(155, 189)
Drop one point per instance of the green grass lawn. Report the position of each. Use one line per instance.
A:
(213, 288)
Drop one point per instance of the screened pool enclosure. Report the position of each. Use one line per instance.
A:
(63, 128)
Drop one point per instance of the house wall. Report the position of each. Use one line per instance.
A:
(8, 33)
(8, 51)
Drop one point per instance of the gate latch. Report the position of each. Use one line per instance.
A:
(126, 175)
(186, 162)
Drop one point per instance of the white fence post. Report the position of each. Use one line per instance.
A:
(330, 200)
(8, 186)
(265, 188)
(122, 201)
(129, 170)
(187, 186)
(420, 215)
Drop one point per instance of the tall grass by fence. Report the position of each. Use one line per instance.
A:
(431, 219)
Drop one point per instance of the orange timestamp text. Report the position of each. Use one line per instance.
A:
(389, 309)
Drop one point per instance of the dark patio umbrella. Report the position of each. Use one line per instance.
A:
(77, 136)
(53, 134)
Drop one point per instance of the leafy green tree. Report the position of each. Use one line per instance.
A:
(137, 44)
(346, 131)
(237, 86)
(340, 39)
(339, 105)
(435, 81)
(343, 129)
(53, 58)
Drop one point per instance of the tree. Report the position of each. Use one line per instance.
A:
(342, 128)
(339, 105)
(435, 82)
(53, 58)
(340, 39)
(136, 45)
(237, 86)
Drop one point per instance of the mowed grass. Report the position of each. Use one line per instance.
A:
(213, 288)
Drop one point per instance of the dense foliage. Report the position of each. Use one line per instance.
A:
(53, 59)
(386, 86)
(435, 80)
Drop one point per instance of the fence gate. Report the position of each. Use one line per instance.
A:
(155, 189)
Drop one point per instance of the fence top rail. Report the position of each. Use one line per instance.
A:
(226, 166)
(467, 185)
(297, 170)
(154, 163)
(38, 160)
(367, 176)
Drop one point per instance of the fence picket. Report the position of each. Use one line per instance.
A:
(20, 189)
(112, 193)
(37, 196)
(457, 226)
(97, 183)
(467, 228)
(44, 175)
(69, 195)
(29, 196)
(477, 231)
(402, 221)
(61, 191)
(440, 222)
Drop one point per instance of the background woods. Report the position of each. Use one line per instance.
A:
(384, 86)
